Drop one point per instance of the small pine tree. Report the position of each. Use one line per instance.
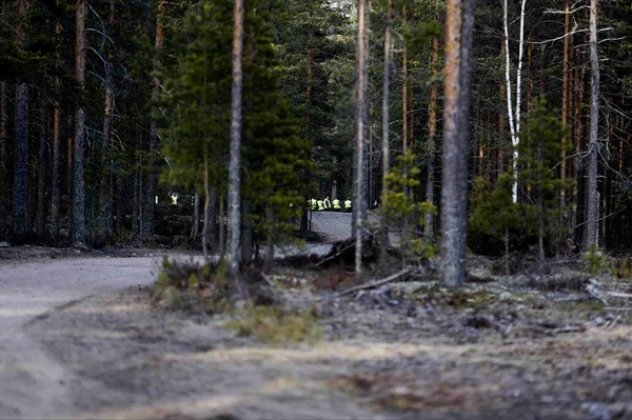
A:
(405, 215)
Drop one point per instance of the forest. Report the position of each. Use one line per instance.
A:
(332, 170)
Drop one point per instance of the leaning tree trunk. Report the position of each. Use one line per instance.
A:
(362, 125)
(21, 143)
(592, 215)
(386, 120)
(78, 235)
(234, 179)
(147, 227)
(458, 69)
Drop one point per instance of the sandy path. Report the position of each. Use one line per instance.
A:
(32, 385)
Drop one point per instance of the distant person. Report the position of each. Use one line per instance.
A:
(348, 205)
(321, 205)
(313, 205)
(336, 204)
(327, 203)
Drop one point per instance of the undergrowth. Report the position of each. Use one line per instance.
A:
(191, 287)
(274, 325)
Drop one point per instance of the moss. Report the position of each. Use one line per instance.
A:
(274, 325)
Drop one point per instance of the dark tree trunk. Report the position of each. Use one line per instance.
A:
(21, 143)
(55, 178)
(458, 69)
(78, 229)
(147, 228)
(40, 213)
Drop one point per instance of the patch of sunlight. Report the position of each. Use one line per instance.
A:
(124, 308)
(21, 312)
(90, 332)
(349, 351)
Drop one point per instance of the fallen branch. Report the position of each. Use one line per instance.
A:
(374, 284)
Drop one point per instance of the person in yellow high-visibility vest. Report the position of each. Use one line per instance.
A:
(327, 203)
(313, 205)
(336, 204)
(320, 204)
(348, 205)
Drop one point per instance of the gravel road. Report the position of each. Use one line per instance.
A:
(32, 385)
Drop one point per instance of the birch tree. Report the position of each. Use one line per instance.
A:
(514, 112)
(234, 181)
(457, 95)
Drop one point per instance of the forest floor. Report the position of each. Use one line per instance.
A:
(550, 342)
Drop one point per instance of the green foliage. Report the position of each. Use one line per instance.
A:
(403, 212)
(192, 287)
(595, 261)
(495, 219)
(197, 100)
(276, 326)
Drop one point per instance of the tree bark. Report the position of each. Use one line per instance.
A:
(432, 132)
(592, 215)
(40, 212)
(107, 186)
(234, 178)
(3, 125)
(55, 173)
(147, 228)
(386, 120)
(78, 235)
(56, 144)
(458, 69)
(362, 125)
(404, 88)
(21, 142)
(566, 71)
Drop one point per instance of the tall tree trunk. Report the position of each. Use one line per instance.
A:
(308, 100)
(195, 229)
(55, 173)
(21, 142)
(458, 70)
(405, 131)
(78, 235)
(592, 215)
(432, 131)
(3, 125)
(234, 178)
(207, 206)
(107, 183)
(566, 72)
(40, 212)
(56, 144)
(386, 120)
(147, 228)
(514, 119)
(362, 126)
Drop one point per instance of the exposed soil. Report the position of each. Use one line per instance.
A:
(515, 346)
(80, 338)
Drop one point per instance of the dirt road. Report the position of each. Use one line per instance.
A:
(32, 385)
